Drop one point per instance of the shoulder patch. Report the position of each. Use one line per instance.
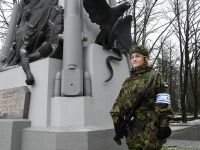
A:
(165, 84)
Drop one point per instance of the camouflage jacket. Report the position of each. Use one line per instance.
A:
(160, 113)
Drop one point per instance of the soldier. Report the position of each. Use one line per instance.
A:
(154, 111)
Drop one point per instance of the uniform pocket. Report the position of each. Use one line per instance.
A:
(151, 126)
(151, 141)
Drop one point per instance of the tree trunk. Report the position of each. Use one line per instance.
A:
(182, 82)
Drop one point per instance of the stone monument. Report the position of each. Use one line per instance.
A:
(65, 70)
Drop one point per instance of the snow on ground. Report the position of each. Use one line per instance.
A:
(193, 122)
(179, 125)
(189, 116)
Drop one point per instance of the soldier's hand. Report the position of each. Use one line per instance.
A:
(164, 132)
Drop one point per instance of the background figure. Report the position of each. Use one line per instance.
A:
(154, 110)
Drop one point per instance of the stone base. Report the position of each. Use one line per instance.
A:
(72, 111)
(70, 138)
(44, 72)
(11, 133)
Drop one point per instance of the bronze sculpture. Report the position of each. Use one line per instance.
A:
(105, 16)
(113, 27)
(39, 23)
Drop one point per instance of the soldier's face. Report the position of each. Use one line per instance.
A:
(137, 60)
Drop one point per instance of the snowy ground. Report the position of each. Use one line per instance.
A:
(182, 144)
(179, 125)
(193, 122)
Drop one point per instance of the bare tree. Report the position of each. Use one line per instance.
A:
(194, 69)
(5, 13)
(167, 64)
(146, 20)
(184, 12)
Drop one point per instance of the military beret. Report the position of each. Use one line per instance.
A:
(140, 49)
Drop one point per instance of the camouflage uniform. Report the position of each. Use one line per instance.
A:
(153, 115)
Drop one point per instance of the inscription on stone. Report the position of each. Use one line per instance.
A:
(14, 103)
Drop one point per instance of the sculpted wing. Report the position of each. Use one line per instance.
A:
(99, 11)
(124, 33)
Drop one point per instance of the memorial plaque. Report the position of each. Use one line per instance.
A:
(14, 103)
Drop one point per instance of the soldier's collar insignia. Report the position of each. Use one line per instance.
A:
(165, 84)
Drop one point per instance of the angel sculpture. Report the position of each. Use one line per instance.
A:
(113, 27)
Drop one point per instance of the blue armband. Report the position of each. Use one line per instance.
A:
(163, 98)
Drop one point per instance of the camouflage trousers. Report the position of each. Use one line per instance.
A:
(145, 140)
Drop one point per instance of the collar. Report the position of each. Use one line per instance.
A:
(141, 70)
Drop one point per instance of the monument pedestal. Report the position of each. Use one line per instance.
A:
(44, 72)
(70, 138)
(11, 133)
(72, 111)
(70, 123)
